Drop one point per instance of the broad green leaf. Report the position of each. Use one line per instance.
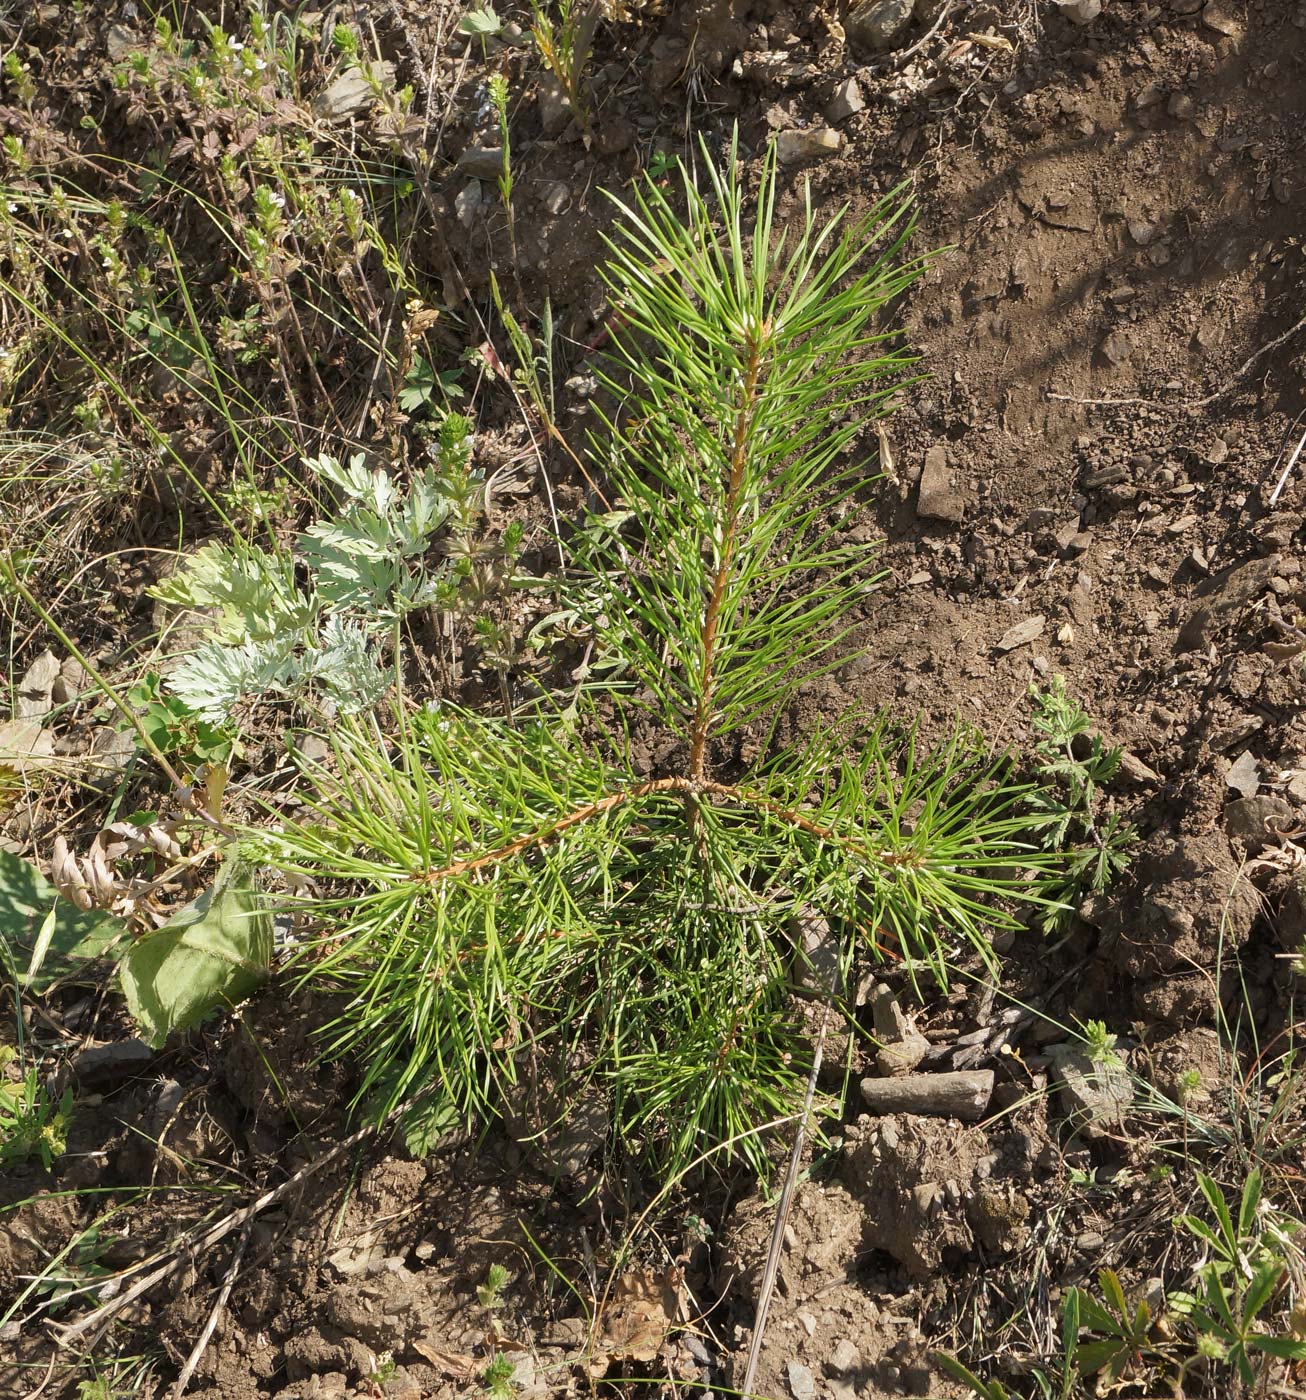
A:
(254, 592)
(210, 955)
(27, 902)
(482, 22)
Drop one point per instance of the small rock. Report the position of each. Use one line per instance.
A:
(556, 197)
(351, 93)
(33, 700)
(102, 1065)
(844, 1358)
(1216, 452)
(1141, 231)
(1149, 95)
(120, 41)
(935, 497)
(1133, 770)
(1021, 633)
(1296, 788)
(1255, 821)
(1095, 1094)
(72, 682)
(1223, 597)
(902, 1046)
(1116, 348)
(963, 1094)
(1181, 106)
(1216, 17)
(1186, 7)
(1244, 776)
(553, 106)
(795, 146)
(467, 203)
(802, 1384)
(1104, 476)
(483, 162)
(878, 24)
(846, 102)
(24, 744)
(1079, 11)
(616, 136)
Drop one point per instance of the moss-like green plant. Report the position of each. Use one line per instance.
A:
(526, 900)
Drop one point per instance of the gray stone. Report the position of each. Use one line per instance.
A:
(556, 197)
(936, 498)
(1223, 597)
(878, 24)
(484, 162)
(351, 93)
(553, 106)
(802, 1384)
(1079, 11)
(1255, 820)
(815, 143)
(1243, 776)
(100, 1065)
(846, 102)
(467, 203)
(1021, 633)
(1095, 1094)
(33, 699)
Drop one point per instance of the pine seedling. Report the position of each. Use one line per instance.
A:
(507, 901)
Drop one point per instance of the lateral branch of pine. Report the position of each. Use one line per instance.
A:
(693, 788)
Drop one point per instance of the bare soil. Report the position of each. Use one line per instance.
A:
(1102, 418)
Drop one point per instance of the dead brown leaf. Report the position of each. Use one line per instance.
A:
(637, 1319)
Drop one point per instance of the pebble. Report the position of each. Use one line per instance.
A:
(802, 1384)
(553, 107)
(1021, 633)
(844, 1357)
(1296, 788)
(878, 24)
(936, 498)
(1181, 106)
(1079, 11)
(1243, 776)
(484, 162)
(466, 203)
(1217, 17)
(813, 144)
(1116, 347)
(556, 197)
(1254, 820)
(846, 102)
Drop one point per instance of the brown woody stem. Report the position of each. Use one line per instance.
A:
(691, 787)
(734, 490)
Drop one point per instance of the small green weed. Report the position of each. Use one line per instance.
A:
(31, 1123)
(490, 1293)
(1067, 804)
(177, 729)
(498, 1378)
(564, 44)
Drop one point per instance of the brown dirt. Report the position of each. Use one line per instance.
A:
(1123, 207)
